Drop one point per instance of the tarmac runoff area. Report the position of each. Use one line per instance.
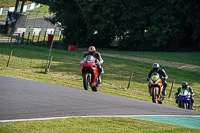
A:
(188, 121)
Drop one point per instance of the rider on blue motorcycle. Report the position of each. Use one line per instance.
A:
(182, 88)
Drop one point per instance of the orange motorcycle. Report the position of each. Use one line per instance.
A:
(156, 86)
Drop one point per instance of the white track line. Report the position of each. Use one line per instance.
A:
(50, 118)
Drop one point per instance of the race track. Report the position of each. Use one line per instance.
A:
(26, 99)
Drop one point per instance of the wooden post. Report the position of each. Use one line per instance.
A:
(45, 36)
(171, 89)
(38, 37)
(31, 63)
(22, 39)
(130, 80)
(28, 37)
(33, 37)
(9, 58)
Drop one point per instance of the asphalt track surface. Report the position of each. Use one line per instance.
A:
(27, 99)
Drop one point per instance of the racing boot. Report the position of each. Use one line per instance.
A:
(192, 106)
(149, 90)
(100, 79)
(164, 91)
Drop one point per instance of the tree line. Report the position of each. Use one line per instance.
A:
(164, 25)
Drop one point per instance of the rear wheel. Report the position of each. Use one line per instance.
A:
(154, 97)
(183, 104)
(86, 81)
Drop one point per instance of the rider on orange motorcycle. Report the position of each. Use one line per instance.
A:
(92, 51)
(161, 72)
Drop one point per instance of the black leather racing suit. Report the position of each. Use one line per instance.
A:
(163, 75)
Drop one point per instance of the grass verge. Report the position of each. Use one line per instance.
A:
(93, 124)
(40, 12)
(183, 57)
(29, 62)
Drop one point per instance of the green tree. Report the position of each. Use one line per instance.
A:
(136, 25)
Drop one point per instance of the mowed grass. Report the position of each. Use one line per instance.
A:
(182, 57)
(29, 62)
(40, 12)
(93, 125)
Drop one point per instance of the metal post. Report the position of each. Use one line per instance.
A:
(50, 51)
(48, 68)
(11, 38)
(16, 5)
(22, 6)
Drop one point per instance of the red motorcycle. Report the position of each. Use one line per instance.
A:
(90, 73)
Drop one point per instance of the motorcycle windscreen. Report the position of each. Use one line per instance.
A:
(89, 58)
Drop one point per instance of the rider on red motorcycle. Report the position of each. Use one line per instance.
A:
(92, 51)
(161, 72)
(189, 89)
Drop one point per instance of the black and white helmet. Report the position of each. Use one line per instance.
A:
(156, 67)
(184, 85)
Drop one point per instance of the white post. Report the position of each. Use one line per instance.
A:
(46, 70)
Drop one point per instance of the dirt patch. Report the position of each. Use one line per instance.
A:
(162, 62)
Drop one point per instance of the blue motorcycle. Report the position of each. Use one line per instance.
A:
(184, 100)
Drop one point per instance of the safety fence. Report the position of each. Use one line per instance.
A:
(26, 8)
(32, 36)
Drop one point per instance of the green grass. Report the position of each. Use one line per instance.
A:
(11, 3)
(183, 57)
(4, 36)
(40, 12)
(93, 124)
(29, 62)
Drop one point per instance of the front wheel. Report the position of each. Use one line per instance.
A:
(95, 88)
(154, 98)
(86, 81)
(185, 105)
(161, 101)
